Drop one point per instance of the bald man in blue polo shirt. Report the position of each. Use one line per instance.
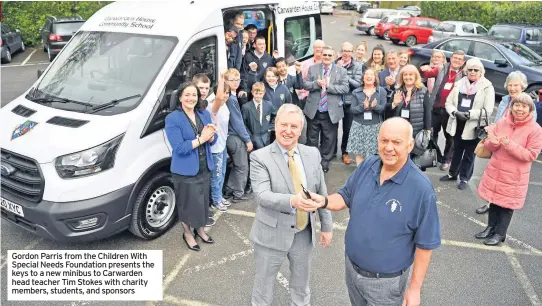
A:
(393, 223)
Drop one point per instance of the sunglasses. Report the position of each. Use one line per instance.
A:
(327, 55)
(472, 69)
(347, 51)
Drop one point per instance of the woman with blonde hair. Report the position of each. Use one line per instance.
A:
(438, 59)
(361, 49)
(471, 98)
(411, 101)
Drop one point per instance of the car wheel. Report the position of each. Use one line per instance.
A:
(532, 91)
(154, 209)
(394, 41)
(8, 56)
(387, 35)
(411, 41)
(23, 48)
(372, 31)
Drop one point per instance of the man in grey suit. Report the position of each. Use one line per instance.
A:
(285, 223)
(327, 83)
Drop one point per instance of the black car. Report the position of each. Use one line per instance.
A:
(499, 57)
(57, 31)
(10, 42)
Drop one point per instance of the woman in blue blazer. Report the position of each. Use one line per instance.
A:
(191, 134)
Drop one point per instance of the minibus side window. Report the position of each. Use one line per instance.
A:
(200, 57)
(299, 33)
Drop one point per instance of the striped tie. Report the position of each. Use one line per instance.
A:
(323, 95)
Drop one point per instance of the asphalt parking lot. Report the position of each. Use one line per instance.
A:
(462, 272)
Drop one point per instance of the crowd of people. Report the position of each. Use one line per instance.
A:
(257, 104)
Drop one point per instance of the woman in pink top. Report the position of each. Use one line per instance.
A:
(516, 141)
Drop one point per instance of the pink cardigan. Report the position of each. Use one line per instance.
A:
(506, 178)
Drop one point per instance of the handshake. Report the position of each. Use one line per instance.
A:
(307, 201)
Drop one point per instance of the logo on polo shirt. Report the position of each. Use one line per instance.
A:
(394, 205)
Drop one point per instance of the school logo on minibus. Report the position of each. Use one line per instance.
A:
(22, 129)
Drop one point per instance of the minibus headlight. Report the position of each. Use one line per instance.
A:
(88, 162)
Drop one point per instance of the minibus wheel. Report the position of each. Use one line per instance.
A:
(154, 209)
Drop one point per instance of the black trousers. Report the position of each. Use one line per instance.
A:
(463, 157)
(500, 218)
(440, 121)
(347, 124)
(322, 128)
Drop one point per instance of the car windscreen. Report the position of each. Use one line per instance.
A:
(96, 68)
(521, 54)
(404, 22)
(505, 32)
(67, 28)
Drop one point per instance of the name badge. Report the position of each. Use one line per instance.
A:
(466, 103)
(448, 86)
(405, 113)
(367, 116)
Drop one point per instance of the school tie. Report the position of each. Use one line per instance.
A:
(323, 95)
(302, 218)
(259, 109)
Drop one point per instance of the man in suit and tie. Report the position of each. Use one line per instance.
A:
(285, 223)
(327, 83)
(257, 116)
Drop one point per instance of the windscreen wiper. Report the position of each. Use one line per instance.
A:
(111, 103)
(59, 100)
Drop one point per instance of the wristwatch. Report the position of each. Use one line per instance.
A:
(325, 203)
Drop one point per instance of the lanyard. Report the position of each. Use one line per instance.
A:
(450, 76)
(411, 95)
(471, 86)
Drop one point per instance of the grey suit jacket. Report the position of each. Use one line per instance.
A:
(274, 225)
(338, 86)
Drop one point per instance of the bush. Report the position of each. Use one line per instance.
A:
(29, 17)
(484, 13)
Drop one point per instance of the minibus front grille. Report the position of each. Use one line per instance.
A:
(21, 177)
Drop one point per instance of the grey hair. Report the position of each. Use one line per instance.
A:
(328, 48)
(476, 63)
(516, 76)
(523, 98)
(319, 42)
(289, 108)
(403, 121)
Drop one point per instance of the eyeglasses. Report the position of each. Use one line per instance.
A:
(347, 51)
(327, 55)
(473, 69)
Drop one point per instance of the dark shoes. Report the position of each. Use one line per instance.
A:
(447, 178)
(482, 210)
(209, 240)
(242, 198)
(488, 232)
(194, 247)
(496, 239)
(462, 185)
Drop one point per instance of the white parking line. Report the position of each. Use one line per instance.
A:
(20, 65)
(28, 58)
(524, 280)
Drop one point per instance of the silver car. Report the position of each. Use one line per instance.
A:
(456, 28)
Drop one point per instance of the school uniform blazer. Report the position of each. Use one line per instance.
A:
(179, 132)
(259, 133)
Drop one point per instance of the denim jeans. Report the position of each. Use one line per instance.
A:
(217, 177)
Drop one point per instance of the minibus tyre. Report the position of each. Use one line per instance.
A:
(159, 183)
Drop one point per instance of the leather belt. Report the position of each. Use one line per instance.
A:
(376, 275)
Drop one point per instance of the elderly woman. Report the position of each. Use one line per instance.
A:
(368, 104)
(438, 59)
(472, 96)
(516, 141)
(515, 84)
(411, 101)
(191, 134)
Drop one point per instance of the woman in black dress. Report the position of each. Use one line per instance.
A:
(191, 133)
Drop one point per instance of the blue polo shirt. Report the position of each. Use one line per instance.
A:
(388, 221)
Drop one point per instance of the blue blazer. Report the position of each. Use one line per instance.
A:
(179, 132)
(382, 75)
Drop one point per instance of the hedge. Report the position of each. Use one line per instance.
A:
(29, 17)
(484, 13)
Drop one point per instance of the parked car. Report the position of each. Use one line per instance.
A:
(256, 18)
(457, 28)
(11, 42)
(363, 6)
(57, 31)
(383, 27)
(368, 20)
(499, 57)
(354, 5)
(412, 9)
(413, 30)
(326, 8)
(529, 35)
